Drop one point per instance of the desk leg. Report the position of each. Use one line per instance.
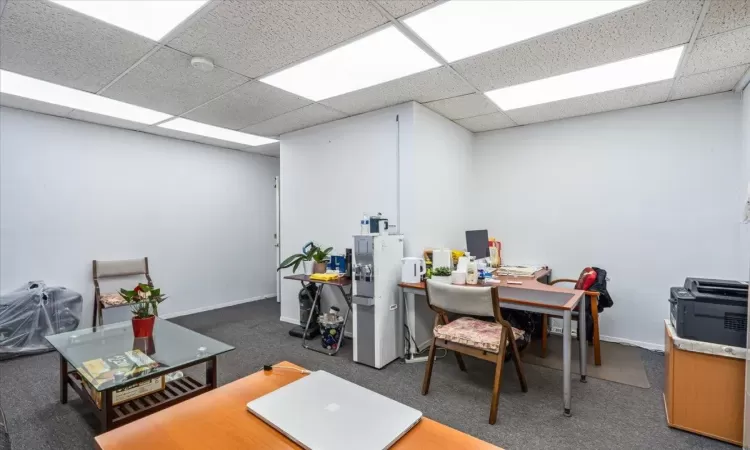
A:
(63, 380)
(566, 362)
(582, 342)
(309, 317)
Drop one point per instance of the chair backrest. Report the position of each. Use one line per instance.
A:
(472, 301)
(122, 268)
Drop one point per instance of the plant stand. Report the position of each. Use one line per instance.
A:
(340, 284)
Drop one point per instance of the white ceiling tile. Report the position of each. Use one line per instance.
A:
(422, 87)
(167, 132)
(486, 122)
(306, 117)
(725, 15)
(167, 82)
(222, 143)
(719, 51)
(250, 104)
(654, 26)
(398, 8)
(708, 82)
(105, 120)
(13, 101)
(464, 106)
(257, 37)
(594, 103)
(46, 41)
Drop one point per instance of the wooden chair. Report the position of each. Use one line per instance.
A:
(469, 336)
(115, 269)
(594, 300)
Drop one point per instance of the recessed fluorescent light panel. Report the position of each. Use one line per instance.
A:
(621, 74)
(382, 56)
(461, 28)
(27, 87)
(150, 18)
(202, 129)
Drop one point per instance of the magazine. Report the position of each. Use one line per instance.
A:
(131, 364)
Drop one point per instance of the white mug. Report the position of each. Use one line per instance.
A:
(458, 277)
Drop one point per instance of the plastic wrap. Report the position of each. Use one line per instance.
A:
(32, 312)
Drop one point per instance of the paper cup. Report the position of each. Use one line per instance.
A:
(458, 277)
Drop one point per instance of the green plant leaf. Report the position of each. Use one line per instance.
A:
(294, 259)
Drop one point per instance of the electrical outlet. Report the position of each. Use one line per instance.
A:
(559, 331)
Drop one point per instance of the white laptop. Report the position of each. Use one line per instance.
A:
(323, 411)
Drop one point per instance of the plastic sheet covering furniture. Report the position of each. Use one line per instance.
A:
(32, 312)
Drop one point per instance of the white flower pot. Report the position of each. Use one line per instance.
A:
(308, 267)
(444, 280)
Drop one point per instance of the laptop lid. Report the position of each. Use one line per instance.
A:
(323, 411)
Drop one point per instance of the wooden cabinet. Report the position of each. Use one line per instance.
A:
(704, 387)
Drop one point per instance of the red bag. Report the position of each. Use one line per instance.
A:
(587, 279)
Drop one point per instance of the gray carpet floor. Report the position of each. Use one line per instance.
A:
(606, 415)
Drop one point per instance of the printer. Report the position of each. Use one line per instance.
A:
(710, 311)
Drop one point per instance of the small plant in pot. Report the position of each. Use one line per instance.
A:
(144, 301)
(312, 255)
(320, 257)
(441, 275)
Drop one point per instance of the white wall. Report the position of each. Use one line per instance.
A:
(333, 173)
(441, 181)
(73, 192)
(413, 171)
(650, 194)
(435, 199)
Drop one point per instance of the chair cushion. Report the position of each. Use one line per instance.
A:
(474, 333)
(112, 299)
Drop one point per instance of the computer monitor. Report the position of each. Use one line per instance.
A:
(477, 243)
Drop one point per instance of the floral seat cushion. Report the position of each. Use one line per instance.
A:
(112, 299)
(474, 333)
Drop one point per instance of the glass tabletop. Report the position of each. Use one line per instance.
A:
(110, 356)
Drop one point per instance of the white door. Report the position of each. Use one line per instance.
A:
(277, 238)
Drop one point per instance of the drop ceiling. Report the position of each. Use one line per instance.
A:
(248, 40)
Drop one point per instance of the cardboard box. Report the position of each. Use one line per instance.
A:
(122, 395)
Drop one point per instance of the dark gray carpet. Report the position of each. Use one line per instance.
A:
(605, 415)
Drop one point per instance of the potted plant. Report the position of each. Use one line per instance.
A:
(303, 258)
(313, 259)
(145, 301)
(320, 257)
(441, 275)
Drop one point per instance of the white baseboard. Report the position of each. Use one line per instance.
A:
(617, 340)
(646, 345)
(289, 320)
(217, 306)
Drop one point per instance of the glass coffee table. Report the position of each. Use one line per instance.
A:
(125, 378)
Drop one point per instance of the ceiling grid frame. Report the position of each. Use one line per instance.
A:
(689, 47)
(412, 36)
(399, 24)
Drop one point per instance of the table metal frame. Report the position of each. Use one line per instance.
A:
(347, 299)
(567, 336)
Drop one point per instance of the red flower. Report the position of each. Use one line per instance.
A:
(137, 289)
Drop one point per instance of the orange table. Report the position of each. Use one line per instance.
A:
(219, 420)
(530, 294)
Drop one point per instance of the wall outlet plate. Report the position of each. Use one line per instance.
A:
(558, 331)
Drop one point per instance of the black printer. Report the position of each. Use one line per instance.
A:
(710, 311)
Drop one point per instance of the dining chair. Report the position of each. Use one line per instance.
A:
(470, 336)
(115, 269)
(583, 282)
